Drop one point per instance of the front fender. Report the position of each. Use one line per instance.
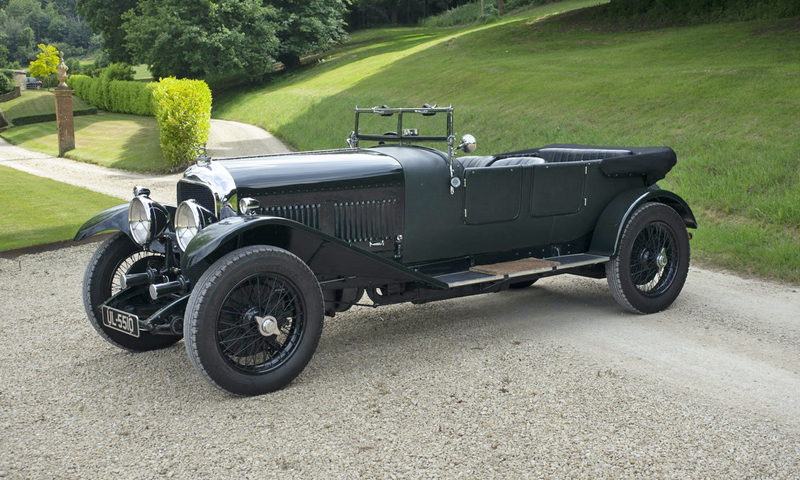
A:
(114, 218)
(608, 231)
(324, 254)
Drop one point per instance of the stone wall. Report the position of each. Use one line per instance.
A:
(10, 95)
(19, 78)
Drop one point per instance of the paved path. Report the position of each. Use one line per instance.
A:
(227, 139)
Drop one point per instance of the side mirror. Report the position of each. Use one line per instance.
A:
(468, 144)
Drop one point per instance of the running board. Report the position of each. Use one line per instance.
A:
(564, 262)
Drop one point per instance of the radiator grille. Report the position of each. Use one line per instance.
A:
(305, 214)
(365, 221)
(199, 193)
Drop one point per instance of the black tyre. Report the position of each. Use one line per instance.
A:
(254, 320)
(653, 261)
(118, 254)
(523, 284)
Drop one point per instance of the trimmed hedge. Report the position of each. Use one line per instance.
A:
(182, 108)
(48, 117)
(115, 95)
(183, 111)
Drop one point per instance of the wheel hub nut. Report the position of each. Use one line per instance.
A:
(267, 326)
(661, 259)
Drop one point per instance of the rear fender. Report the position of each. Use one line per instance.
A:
(608, 231)
(327, 256)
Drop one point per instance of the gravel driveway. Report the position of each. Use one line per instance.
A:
(551, 381)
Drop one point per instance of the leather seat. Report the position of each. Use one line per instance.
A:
(556, 155)
(475, 161)
(511, 161)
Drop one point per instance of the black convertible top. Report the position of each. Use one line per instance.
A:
(651, 162)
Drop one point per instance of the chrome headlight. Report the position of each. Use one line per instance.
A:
(147, 219)
(190, 218)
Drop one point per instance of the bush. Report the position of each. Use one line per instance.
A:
(113, 96)
(129, 97)
(118, 71)
(6, 81)
(183, 111)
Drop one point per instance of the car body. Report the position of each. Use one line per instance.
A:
(33, 83)
(260, 249)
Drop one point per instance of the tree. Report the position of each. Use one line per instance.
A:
(235, 36)
(46, 62)
(25, 44)
(3, 56)
(106, 17)
(308, 26)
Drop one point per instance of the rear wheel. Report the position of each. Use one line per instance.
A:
(115, 256)
(653, 261)
(254, 320)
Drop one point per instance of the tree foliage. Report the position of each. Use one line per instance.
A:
(234, 35)
(105, 18)
(46, 61)
(307, 26)
(26, 23)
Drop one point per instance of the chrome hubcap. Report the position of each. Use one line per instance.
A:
(661, 259)
(267, 326)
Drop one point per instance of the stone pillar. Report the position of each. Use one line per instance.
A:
(64, 121)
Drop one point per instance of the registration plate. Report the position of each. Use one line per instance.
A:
(121, 321)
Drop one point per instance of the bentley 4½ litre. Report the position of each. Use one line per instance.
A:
(259, 249)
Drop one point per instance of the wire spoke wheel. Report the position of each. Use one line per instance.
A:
(653, 260)
(253, 320)
(115, 256)
(244, 341)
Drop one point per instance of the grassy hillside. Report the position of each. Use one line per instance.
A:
(725, 97)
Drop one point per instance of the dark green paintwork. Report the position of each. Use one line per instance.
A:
(114, 218)
(557, 189)
(492, 195)
(605, 240)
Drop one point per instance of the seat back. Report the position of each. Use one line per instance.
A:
(511, 161)
(558, 155)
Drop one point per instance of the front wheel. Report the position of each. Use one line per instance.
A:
(254, 320)
(115, 256)
(649, 272)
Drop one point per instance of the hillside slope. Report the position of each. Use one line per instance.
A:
(725, 97)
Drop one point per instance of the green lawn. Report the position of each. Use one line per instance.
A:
(36, 102)
(724, 96)
(117, 140)
(60, 209)
(142, 73)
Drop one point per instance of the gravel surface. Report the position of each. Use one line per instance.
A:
(551, 381)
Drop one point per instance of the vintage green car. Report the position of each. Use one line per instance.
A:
(260, 249)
